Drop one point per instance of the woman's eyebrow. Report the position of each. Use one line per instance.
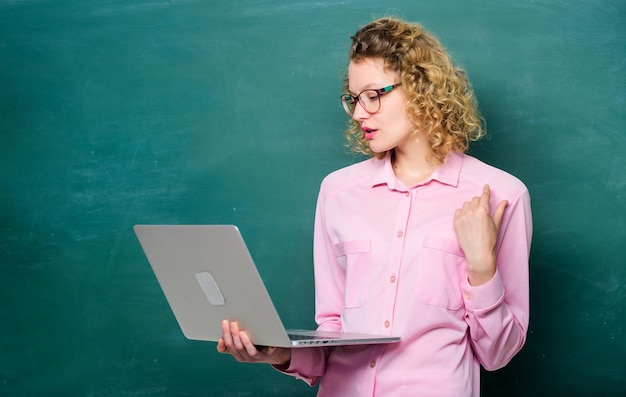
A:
(369, 86)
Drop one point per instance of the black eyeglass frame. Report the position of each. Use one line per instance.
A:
(348, 100)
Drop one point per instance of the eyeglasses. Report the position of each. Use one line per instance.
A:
(369, 99)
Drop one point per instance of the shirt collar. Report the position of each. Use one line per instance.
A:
(450, 170)
(448, 173)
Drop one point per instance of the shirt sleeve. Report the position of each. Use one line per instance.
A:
(309, 364)
(497, 312)
(330, 277)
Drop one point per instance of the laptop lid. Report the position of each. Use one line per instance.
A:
(207, 275)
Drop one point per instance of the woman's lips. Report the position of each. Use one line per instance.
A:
(369, 133)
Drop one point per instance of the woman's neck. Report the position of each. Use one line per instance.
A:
(413, 167)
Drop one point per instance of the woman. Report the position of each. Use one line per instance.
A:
(420, 241)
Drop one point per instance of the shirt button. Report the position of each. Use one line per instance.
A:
(468, 296)
(387, 324)
(392, 279)
(400, 233)
(407, 194)
(373, 363)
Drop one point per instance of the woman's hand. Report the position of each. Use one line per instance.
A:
(477, 232)
(237, 344)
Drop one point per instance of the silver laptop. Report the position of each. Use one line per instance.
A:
(208, 275)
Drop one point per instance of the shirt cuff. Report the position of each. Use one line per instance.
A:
(301, 363)
(484, 297)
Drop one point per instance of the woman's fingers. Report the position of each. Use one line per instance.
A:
(238, 344)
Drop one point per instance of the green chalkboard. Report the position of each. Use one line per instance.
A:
(152, 111)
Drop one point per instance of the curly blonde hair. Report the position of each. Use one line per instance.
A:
(441, 101)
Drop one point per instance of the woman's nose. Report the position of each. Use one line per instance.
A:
(359, 112)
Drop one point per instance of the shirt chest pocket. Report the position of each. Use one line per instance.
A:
(355, 259)
(441, 269)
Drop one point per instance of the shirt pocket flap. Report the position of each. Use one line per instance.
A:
(351, 247)
(442, 244)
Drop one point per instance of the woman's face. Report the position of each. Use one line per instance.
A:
(390, 126)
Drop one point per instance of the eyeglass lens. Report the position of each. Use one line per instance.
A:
(369, 100)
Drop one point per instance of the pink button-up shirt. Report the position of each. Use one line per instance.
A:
(387, 261)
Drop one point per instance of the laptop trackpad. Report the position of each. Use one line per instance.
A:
(210, 288)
